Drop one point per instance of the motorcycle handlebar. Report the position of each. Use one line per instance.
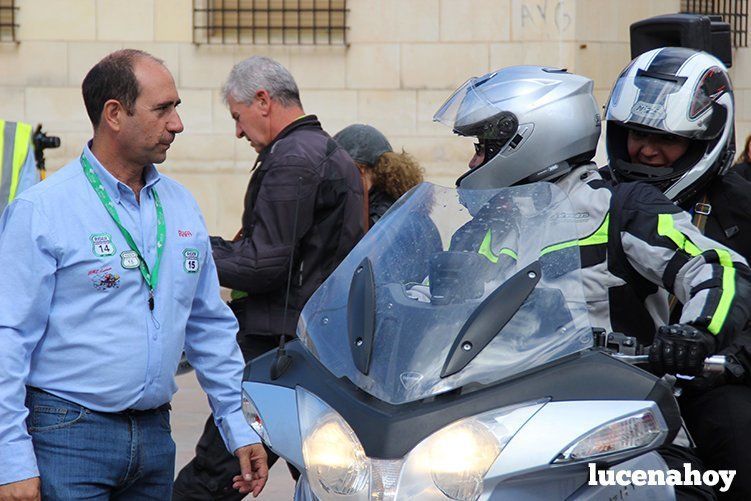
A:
(712, 365)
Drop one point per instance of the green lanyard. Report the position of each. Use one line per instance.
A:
(151, 277)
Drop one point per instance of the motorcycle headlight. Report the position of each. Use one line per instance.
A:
(460, 456)
(632, 432)
(334, 458)
(253, 417)
(457, 458)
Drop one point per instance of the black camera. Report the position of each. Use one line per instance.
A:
(41, 142)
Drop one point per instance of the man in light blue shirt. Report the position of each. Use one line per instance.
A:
(106, 273)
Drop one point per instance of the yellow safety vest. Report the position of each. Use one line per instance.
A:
(15, 141)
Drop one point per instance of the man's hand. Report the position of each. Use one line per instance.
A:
(23, 490)
(254, 469)
(680, 349)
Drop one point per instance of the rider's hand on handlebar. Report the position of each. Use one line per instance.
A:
(680, 349)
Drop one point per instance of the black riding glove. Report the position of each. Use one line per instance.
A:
(680, 349)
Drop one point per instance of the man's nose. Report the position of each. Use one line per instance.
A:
(239, 134)
(175, 124)
(476, 160)
(649, 149)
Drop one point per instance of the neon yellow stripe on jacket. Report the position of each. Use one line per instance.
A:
(666, 228)
(486, 249)
(600, 236)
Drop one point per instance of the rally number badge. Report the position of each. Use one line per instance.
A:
(101, 245)
(129, 259)
(190, 260)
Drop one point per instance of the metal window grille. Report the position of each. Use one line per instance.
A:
(733, 12)
(270, 22)
(8, 20)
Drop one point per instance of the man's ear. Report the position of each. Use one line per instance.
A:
(112, 114)
(264, 101)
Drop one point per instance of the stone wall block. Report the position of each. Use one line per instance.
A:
(121, 21)
(61, 20)
(442, 66)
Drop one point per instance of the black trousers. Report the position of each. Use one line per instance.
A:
(208, 476)
(719, 421)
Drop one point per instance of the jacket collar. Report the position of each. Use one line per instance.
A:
(310, 121)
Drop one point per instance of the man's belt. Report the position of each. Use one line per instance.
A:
(126, 412)
(140, 412)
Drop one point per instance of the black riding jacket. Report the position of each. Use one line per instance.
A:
(305, 196)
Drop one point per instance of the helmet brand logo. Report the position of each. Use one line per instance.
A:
(410, 379)
(649, 110)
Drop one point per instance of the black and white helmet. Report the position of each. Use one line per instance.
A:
(534, 123)
(675, 91)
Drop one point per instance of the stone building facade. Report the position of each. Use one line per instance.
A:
(403, 59)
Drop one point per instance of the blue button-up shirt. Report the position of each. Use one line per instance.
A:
(74, 313)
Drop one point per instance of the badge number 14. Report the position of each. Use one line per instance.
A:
(102, 245)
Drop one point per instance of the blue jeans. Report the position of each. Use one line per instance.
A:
(83, 454)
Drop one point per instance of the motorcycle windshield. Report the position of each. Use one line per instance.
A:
(436, 258)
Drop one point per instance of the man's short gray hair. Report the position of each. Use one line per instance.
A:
(258, 72)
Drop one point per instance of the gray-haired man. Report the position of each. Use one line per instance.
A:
(303, 214)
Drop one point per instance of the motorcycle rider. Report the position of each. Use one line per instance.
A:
(670, 123)
(542, 124)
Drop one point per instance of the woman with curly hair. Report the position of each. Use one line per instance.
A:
(386, 175)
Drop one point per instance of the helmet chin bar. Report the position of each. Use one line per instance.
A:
(640, 172)
(491, 149)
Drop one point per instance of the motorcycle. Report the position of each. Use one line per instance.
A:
(450, 356)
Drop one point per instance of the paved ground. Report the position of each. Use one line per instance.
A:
(189, 412)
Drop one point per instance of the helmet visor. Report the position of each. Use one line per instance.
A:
(469, 112)
(661, 103)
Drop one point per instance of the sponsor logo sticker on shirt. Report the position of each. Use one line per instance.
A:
(104, 279)
(101, 245)
(191, 260)
(129, 259)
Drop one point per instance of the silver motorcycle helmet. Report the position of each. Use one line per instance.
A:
(677, 91)
(533, 124)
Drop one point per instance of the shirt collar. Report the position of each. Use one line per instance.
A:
(110, 182)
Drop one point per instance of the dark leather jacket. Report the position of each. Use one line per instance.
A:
(305, 195)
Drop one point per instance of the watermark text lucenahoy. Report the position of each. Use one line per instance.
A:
(688, 476)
